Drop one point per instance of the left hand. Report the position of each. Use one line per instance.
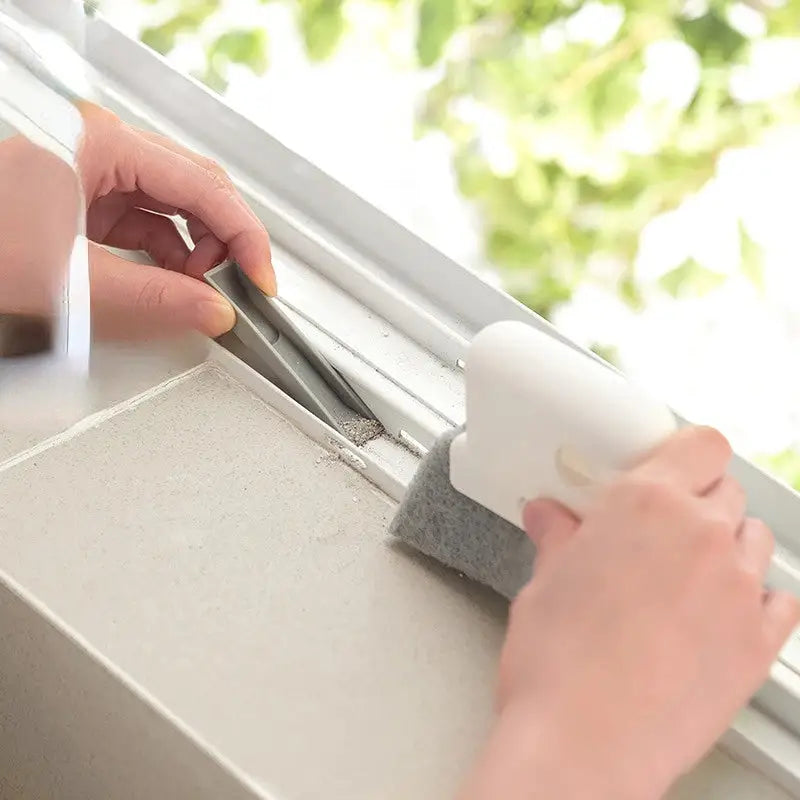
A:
(134, 181)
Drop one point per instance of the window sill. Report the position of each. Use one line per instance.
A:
(390, 312)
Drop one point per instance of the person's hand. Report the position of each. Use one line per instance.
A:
(643, 631)
(133, 182)
(132, 179)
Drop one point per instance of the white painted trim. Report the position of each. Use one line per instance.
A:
(762, 743)
(381, 472)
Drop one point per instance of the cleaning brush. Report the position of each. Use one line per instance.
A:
(543, 419)
(450, 527)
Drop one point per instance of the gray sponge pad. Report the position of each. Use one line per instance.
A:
(448, 526)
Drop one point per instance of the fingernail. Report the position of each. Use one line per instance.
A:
(264, 277)
(215, 317)
(270, 283)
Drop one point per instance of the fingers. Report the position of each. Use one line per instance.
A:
(197, 229)
(781, 617)
(138, 302)
(694, 459)
(728, 501)
(208, 252)
(756, 546)
(122, 220)
(156, 235)
(139, 199)
(166, 173)
(549, 526)
(192, 155)
(118, 158)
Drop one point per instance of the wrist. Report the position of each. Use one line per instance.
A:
(530, 756)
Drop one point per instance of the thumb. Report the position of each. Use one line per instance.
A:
(549, 525)
(137, 301)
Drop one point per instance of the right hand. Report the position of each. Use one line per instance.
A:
(644, 630)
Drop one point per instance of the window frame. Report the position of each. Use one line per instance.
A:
(423, 302)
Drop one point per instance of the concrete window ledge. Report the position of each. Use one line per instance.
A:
(200, 601)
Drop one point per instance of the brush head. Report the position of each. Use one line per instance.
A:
(441, 522)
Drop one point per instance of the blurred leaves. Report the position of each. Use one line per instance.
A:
(438, 20)
(322, 24)
(557, 138)
(690, 279)
(249, 48)
(751, 259)
(573, 123)
(162, 38)
(561, 136)
(713, 38)
(242, 47)
(786, 464)
(607, 352)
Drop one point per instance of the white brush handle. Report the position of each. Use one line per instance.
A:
(544, 420)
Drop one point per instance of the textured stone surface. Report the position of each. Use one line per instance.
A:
(244, 577)
(117, 373)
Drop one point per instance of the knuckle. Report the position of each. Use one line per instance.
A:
(209, 165)
(736, 489)
(712, 438)
(214, 188)
(151, 295)
(715, 531)
(762, 531)
(217, 175)
(130, 156)
(649, 496)
(747, 583)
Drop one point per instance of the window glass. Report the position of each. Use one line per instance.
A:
(628, 169)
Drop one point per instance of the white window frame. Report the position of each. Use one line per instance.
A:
(366, 289)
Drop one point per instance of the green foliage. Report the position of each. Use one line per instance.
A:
(247, 47)
(566, 186)
(607, 352)
(322, 24)
(717, 43)
(192, 15)
(242, 47)
(786, 464)
(540, 119)
(752, 262)
(690, 279)
(438, 20)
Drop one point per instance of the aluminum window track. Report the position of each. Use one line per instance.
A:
(395, 315)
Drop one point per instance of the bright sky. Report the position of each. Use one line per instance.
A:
(728, 359)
